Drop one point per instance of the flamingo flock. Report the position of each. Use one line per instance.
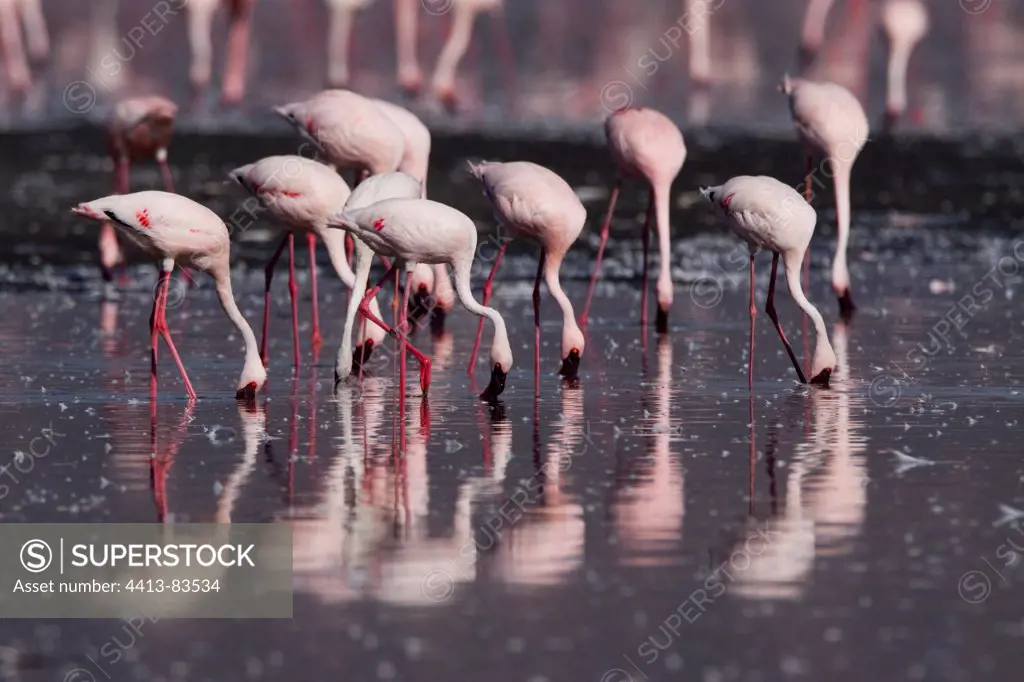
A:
(383, 209)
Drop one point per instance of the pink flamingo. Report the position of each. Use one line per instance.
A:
(646, 144)
(300, 194)
(370, 191)
(339, 35)
(698, 14)
(812, 33)
(19, 77)
(905, 23)
(177, 230)
(139, 128)
(464, 13)
(531, 201)
(200, 28)
(831, 121)
(415, 162)
(768, 214)
(34, 21)
(423, 231)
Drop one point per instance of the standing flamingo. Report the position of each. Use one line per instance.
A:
(177, 230)
(200, 28)
(375, 188)
(905, 23)
(415, 162)
(531, 201)
(830, 120)
(768, 214)
(139, 128)
(464, 13)
(423, 231)
(646, 144)
(301, 193)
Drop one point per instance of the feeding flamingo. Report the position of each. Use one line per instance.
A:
(370, 191)
(830, 120)
(423, 231)
(177, 230)
(139, 128)
(415, 162)
(301, 193)
(905, 23)
(646, 144)
(200, 28)
(464, 13)
(768, 214)
(531, 201)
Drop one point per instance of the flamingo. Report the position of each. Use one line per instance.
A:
(139, 127)
(464, 14)
(531, 201)
(768, 214)
(37, 37)
(410, 76)
(830, 120)
(177, 230)
(812, 33)
(905, 23)
(375, 188)
(300, 193)
(339, 35)
(699, 43)
(423, 231)
(12, 50)
(415, 162)
(200, 28)
(646, 144)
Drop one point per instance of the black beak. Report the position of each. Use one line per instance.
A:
(822, 378)
(496, 386)
(247, 393)
(571, 365)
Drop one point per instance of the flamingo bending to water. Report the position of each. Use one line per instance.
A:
(830, 120)
(646, 144)
(423, 231)
(301, 193)
(770, 215)
(533, 202)
(177, 230)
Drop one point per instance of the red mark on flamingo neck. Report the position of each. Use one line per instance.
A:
(726, 201)
(378, 224)
(310, 126)
(143, 218)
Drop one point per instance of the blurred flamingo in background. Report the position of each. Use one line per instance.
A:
(200, 29)
(36, 34)
(830, 120)
(533, 202)
(464, 13)
(698, 28)
(646, 144)
(177, 230)
(300, 194)
(16, 69)
(339, 39)
(410, 75)
(138, 128)
(905, 23)
(812, 34)
(426, 279)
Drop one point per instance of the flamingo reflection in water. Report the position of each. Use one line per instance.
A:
(648, 510)
(825, 494)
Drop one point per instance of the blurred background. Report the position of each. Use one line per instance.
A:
(552, 64)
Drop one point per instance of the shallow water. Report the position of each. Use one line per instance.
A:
(635, 526)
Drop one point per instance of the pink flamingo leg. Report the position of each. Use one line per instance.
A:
(753, 317)
(770, 309)
(166, 333)
(505, 55)
(487, 298)
(293, 291)
(809, 195)
(402, 344)
(237, 52)
(317, 338)
(536, 324)
(269, 275)
(647, 239)
(154, 333)
(600, 251)
(364, 310)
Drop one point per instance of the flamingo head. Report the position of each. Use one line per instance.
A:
(572, 348)
(88, 210)
(254, 375)
(501, 363)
